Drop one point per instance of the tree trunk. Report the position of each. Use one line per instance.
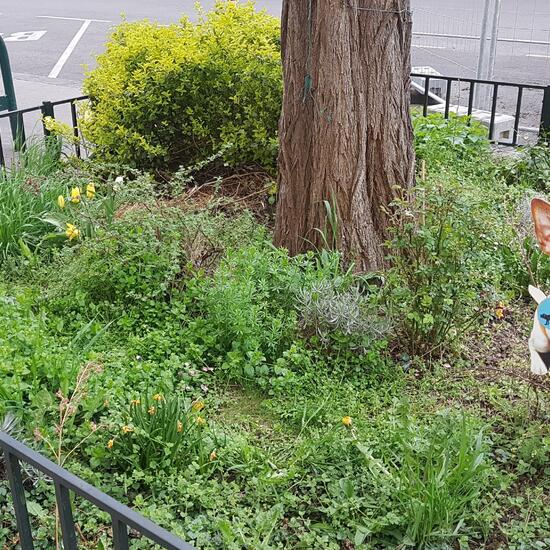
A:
(345, 130)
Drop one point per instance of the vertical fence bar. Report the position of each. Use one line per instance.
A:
(120, 534)
(448, 97)
(545, 116)
(493, 111)
(426, 95)
(518, 115)
(13, 469)
(16, 121)
(75, 129)
(65, 512)
(2, 160)
(47, 110)
(471, 101)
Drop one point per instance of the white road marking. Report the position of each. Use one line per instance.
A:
(69, 49)
(72, 18)
(23, 36)
(543, 56)
(54, 73)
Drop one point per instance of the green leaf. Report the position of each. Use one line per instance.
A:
(36, 509)
(226, 530)
(55, 221)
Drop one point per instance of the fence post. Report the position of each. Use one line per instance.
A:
(16, 121)
(47, 110)
(545, 116)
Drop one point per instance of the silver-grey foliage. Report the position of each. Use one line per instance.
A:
(8, 424)
(325, 309)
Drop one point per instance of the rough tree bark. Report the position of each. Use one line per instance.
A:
(345, 130)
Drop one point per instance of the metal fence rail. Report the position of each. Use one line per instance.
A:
(47, 109)
(496, 86)
(122, 517)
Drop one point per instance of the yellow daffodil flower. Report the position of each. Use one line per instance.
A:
(180, 426)
(75, 195)
(135, 402)
(127, 429)
(198, 406)
(72, 232)
(157, 397)
(90, 191)
(110, 443)
(61, 201)
(213, 456)
(346, 421)
(152, 410)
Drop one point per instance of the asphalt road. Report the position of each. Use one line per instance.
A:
(56, 22)
(51, 42)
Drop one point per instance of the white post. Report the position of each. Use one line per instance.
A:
(488, 96)
(494, 40)
(482, 62)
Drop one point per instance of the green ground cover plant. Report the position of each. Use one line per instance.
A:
(242, 398)
(26, 193)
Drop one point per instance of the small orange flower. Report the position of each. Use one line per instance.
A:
(198, 406)
(201, 421)
(346, 421)
(110, 443)
(152, 410)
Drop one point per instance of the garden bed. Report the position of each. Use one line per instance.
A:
(156, 344)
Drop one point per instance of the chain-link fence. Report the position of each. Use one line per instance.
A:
(448, 39)
(450, 32)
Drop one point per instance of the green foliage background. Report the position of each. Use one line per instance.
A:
(336, 410)
(164, 96)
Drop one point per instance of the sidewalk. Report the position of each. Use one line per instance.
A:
(31, 91)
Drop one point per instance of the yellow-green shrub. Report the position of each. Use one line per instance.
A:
(164, 96)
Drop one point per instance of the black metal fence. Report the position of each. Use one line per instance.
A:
(496, 86)
(47, 109)
(64, 482)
